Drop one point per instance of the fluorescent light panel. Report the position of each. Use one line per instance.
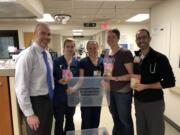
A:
(77, 30)
(138, 18)
(105, 0)
(77, 34)
(46, 18)
(7, 0)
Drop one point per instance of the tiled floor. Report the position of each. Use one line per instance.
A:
(106, 121)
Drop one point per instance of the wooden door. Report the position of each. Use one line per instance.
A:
(5, 109)
(28, 37)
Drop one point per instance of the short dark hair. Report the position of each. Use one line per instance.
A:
(68, 40)
(116, 31)
(144, 30)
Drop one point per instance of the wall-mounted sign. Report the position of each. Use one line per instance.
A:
(89, 24)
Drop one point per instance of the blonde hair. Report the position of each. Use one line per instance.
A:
(68, 40)
(90, 42)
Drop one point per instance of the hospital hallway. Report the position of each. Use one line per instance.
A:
(106, 122)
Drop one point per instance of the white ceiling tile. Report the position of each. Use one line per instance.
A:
(119, 4)
(14, 10)
(105, 16)
(59, 11)
(124, 4)
(106, 11)
(79, 16)
(56, 4)
(84, 11)
(131, 11)
(108, 4)
(82, 4)
(91, 11)
(143, 4)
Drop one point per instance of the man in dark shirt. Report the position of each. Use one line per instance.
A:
(154, 73)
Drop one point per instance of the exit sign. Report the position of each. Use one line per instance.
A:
(104, 26)
(89, 24)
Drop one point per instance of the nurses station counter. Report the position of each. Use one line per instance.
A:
(10, 118)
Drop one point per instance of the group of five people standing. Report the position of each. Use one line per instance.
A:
(35, 79)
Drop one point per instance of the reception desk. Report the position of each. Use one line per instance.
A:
(10, 122)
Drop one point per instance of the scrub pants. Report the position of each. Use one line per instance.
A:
(60, 111)
(90, 117)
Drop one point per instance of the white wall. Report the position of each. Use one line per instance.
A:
(166, 15)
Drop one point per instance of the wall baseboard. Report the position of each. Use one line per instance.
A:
(177, 127)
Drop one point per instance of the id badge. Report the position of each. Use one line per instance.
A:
(96, 73)
(136, 59)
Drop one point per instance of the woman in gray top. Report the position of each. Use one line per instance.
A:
(120, 91)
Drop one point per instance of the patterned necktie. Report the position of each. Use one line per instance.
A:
(49, 80)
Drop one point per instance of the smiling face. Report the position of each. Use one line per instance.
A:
(92, 48)
(42, 35)
(143, 39)
(112, 39)
(69, 48)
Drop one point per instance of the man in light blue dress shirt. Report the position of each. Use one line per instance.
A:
(32, 83)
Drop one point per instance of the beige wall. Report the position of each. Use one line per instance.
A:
(55, 43)
(166, 15)
(100, 38)
(127, 31)
(20, 28)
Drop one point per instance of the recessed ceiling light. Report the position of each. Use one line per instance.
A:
(46, 18)
(138, 18)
